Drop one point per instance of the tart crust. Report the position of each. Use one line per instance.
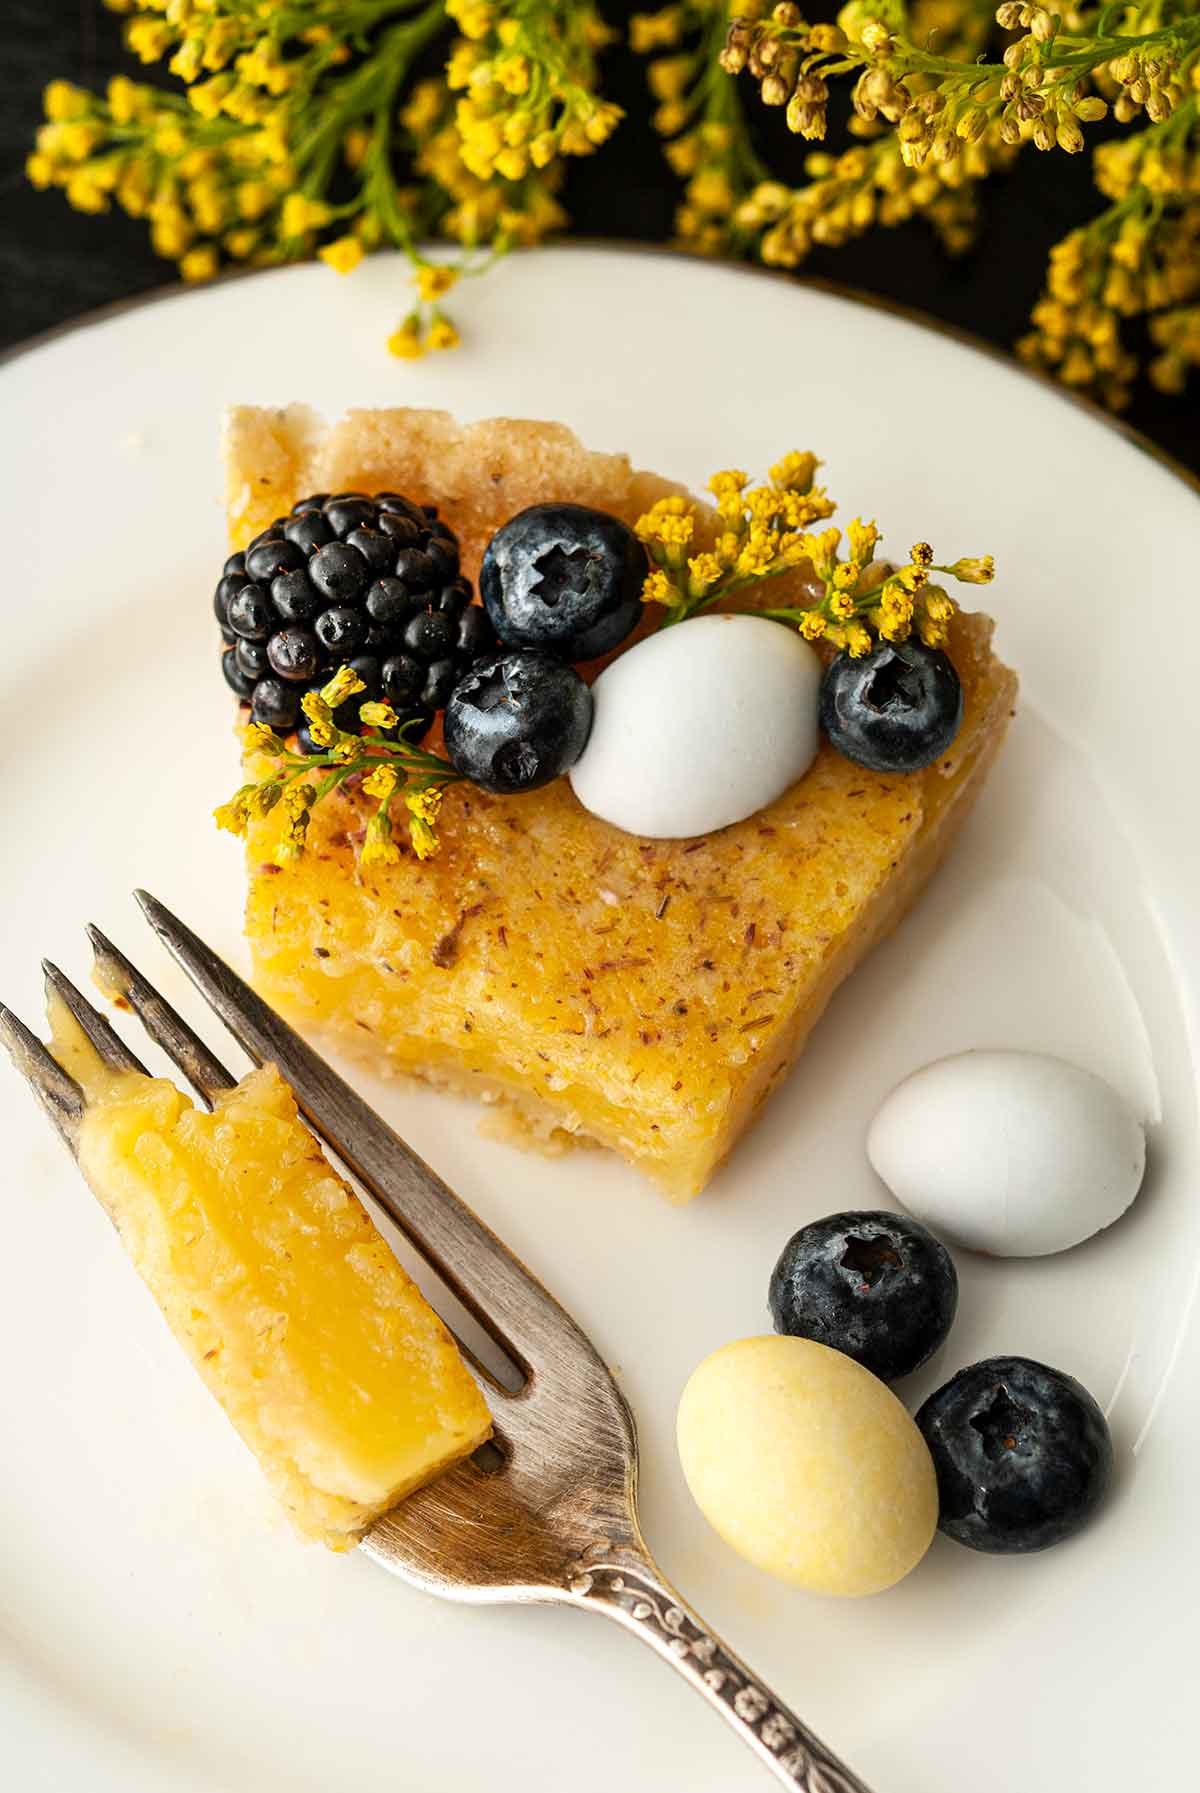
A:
(647, 995)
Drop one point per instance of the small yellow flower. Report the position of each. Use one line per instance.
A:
(254, 198)
(473, 17)
(938, 606)
(239, 243)
(668, 77)
(61, 100)
(264, 797)
(423, 807)
(655, 30)
(79, 139)
(377, 715)
(757, 553)
(795, 472)
(169, 140)
(124, 99)
(149, 39)
(979, 571)
(39, 171)
(812, 625)
(261, 739)
(199, 264)
(441, 333)
(378, 847)
(85, 193)
(659, 588)
(187, 59)
(345, 683)
(858, 641)
(406, 343)
(234, 815)
(382, 782)
(921, 554)
(731, 483)
(863, 538)
(424, 108)
(512, 73)
(342, 255)
(300, 214)
(668, 524)
(703, 571)
(320, 726)
(434, 279)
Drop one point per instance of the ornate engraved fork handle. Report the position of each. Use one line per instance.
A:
(626, 1586)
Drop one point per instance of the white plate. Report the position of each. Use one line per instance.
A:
(162, 1630)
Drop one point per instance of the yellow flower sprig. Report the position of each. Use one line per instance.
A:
(768, 530)
(294, 134)
(387, 768)
(700, 116)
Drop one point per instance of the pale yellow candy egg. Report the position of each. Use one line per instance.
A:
(807, 1465)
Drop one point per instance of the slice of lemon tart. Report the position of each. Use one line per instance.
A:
(591, 982)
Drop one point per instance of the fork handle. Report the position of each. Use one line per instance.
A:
(627, 1586)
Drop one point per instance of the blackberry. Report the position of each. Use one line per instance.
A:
(350, 579)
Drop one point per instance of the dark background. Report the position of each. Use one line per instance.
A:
(55, 263)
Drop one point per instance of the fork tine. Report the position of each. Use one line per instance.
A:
(506, 1299)
(103, 1036)
(203, 1070)
(59, 1094)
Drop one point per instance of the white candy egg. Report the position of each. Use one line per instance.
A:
(699, 725)
(1013, 1153)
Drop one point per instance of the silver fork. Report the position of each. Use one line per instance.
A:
(548, 1515)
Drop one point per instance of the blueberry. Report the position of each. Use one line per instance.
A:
(1022, 1452)
(309, 504)
(341, 631)
(895, 710)
(295, 654)
(295, 597)
(277, 704)
(235, 678)
(339, 572)
(516, 721)
(250, 614)
(269, 558)
(235, 564)
(563, 578)
(877, 1286)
